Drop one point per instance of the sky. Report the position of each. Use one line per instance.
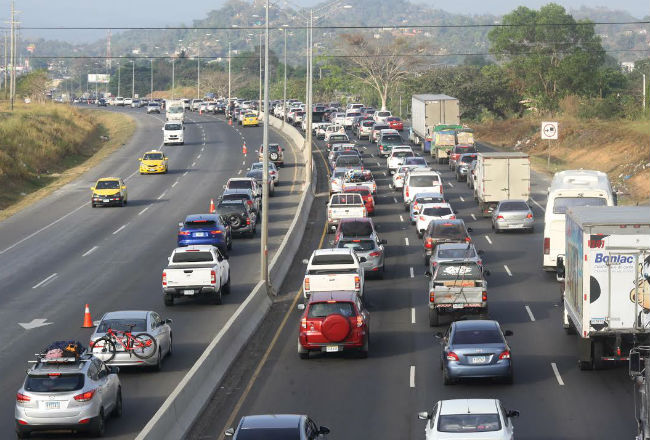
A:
(172, 12)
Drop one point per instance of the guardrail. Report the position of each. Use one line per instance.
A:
(186, 402)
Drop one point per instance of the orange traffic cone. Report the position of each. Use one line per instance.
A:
(229, 121)
(212, 210)
(243, 149)
(88, 320)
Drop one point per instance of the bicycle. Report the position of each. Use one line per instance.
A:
(143, 345)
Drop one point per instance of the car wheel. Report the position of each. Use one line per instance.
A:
(419, 234)
(169, 299)
(98, 428)
(22, 434)
(302, 351)
(216, 299)
(445, 377)
(117, 411)
(434, 318)
(510, 378)
(363, 351)
(226, 287)
(170, 350)
(93, 205)
(158, 365)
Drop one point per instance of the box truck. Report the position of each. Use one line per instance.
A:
(427, 111)
(175, 111)
(501, 176)
(606, 274)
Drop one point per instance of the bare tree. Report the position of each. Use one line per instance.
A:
(379, 64)
(217, 81)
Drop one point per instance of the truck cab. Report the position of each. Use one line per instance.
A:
(173, 133)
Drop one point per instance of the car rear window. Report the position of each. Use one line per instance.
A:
(348, 160)
(327, 259)
(391, 138)
(482, 336)
(200, 224)
(380, 127)
(122, 325)
(455, 271)
(424, 181)
(415, 161)
(356, 228)
(240, 184)
(338, 137)
(50, 384)
(513, 206)
(469, 423)
(191, 257)
(465, 149)
(235, 197)
(431, 199)
(231, 208)
(561, 204)
(457, 253)
(467, 159)
(345, 199)
(269, 434)
(357, 245)
(367, 123)
(358, 190)
(324, 309)
(436, 212)
(449, 230)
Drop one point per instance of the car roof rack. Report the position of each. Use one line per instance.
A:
(85, 356)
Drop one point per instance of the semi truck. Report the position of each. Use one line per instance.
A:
(428, 111)
(501, 176)
(606, 281)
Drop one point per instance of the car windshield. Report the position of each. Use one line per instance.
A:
(513, 206)
(561, 204)
(454, 271)
(173, 127)
(449, 230)
(469, 423)
(357, 245)
(153, 156)
(356, 228)
(176, 109)
(240, 184)
(393, 119)
(54, 383)
(327, 259)
(108, 184)
(479, 336)
(415, 161)
(191, 257)
(200, 224)
(153, 104)
(122, 325)
(456, 253)
(324, 309)
(436, 212)
(424, 181)
(429, 199)
(467, 159)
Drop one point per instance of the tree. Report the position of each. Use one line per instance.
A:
(33, 85)
(380, 65)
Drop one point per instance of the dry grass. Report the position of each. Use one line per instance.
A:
(619, 148)
(45, 146)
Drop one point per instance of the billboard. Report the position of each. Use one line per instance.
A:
(100, 78)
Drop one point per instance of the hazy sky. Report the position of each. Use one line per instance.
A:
(108, 13)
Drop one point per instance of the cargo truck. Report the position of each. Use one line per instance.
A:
(175, 111)
(444, 140)
(501, 176)
(428, 111)
(606, 281)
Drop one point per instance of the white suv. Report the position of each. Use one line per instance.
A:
(397, 156)
(381, 116)
(420, 181)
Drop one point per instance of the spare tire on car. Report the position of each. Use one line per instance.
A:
(274, 156)
(235, 221)
(335, 328)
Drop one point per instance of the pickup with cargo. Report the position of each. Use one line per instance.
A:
(444, 140)
(194, 271)
(606, 279)
(331, 270)
(501, 176)
(344, 205)
(428, 111)
(457, 288)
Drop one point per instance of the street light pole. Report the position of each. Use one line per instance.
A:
(260, 100)
(229, 56)
(310, 104)
(198, 73)
(132, 79)
(119, 79)
(151, 93)
(173, 76)
(265, 163)
(284, 95)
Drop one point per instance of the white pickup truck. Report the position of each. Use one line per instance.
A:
(196, 270)
(344, 205)
(331, 270)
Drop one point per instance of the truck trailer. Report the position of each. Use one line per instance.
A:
(428, 111)
(501, 176)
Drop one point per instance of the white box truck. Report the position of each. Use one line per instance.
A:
(606, 273)
(430, 110)
(175, 111)
(501, 176)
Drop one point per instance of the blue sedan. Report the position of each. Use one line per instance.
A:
(205, 229)
(475, 349)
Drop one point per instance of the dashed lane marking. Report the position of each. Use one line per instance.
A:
(412, 376)
(119, 229)
(530, 313)
(185, 173)
(193, 164)
(450, 184)
(198, 157)
(412, 272)
(473, 216)
(505, 266)
(406, 240)
(89, 251)
(557, 374)
(45, 281)
(412, 315)
(143, 211)
(401, 218)
(162, 195)
(174, 184)
(395, 199)
(461, 198)
(488, 239)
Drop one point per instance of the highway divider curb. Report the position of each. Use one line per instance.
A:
(186, 402)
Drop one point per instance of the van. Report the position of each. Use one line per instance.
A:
(173, 133)
(570, 189)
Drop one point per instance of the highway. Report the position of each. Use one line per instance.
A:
(60, 254)
(379, 397)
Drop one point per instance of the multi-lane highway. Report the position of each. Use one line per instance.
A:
(379, 397)
(60, 254)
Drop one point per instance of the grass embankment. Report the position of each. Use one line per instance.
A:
(620, 148)
(45, 146)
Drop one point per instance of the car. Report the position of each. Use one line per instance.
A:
(136, 103)
(360, 178)
(285, 426)
(334, 322)
(195, 105)
(386, 138)
(118, 101)
(211, 106)
(471, 174)
(204, 229)
(462, 165)
(258, 175)
(101, 102)
(420, 199)
(432, 211)
(109, 191)
(355, 227)
(444, 231)
(397, 156)
(366, 195)
(395, 123)
(136, 321)
(457, 151)
(483, 419)
(446, 252)
(244, 194)
(364, 129)
(336, 137)
(376, 129)
(371, 248)
(420, 180)
(475, 349)
(381, 116)
(276, 154)
(244, 183)
(128, 102)
(398, 177)
(336, 180)
(513, 214)
(273, 171)
(239, 216)
(153, 162)
(75, 392)
(250, 120)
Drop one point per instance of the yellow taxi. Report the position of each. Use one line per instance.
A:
(108, 191)
(153, 162)
(250, 119)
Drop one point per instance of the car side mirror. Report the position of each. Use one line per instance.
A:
(168, 321)
(487, 273)
(362, 259)
(180, 224)
(512, 413)
(225, 186)
(163, 129)
(427, 274)
(322, 430)
(92, 188)
(438, 335)
(113, 370)
(470, 230)
(424, 415)
(480, 252)
(219, 258)
(508, 333)
(140, 159)
(230, 432)
(301, 307)
(383, 241)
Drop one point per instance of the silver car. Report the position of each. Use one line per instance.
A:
(369, 250)
(445, 252)
(420, 199)
(512, 214)
(336, 180)
(273, 171)
(68, 393)
(145, 322)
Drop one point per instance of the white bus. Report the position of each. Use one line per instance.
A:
(569, 189)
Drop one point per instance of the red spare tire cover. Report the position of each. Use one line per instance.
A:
(335, 327)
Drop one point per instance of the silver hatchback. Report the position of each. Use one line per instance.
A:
(369, 250)
(512, 214)
(445, 252)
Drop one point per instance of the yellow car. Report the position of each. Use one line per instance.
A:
(108, 191)
(250, 119)
(153, 162)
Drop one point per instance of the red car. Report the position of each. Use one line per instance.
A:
(333, 322)
(395, 123)
(456, 153)
(368, 199)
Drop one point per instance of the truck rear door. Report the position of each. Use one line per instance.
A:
(518, 178)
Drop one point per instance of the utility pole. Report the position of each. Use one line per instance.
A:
(229, 56)
(260, 100)
(151, 94)
(173, 77)
(644, 92)
(5, 64)
(13, 54)
(265, 162)
(198, 73)
(284, 95)
(310, 104)
(132, 79)
(119, 79)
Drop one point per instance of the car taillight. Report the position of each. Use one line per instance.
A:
(374, 254)
(357, 282)
(422, 218)
(248, 221)
(428, 243)
(407, 191)
(529, 215)
(504, 355)
(453, 217)
(467, 239)
(183, 232)
(307, 283)
(164, 278)
(22, 398)
(484, 297)
(250, 202)
(215, 232)
(329, 213)
(213, 277)
(303, 323)
(547, 245)
(432, 296)
(85, 397)
(451, 356)
(359, 321)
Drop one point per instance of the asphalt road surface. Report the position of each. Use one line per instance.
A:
(379, 397)
(60, 254)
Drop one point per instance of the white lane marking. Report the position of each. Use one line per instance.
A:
(239, 172)
(142, 212)
(505, 266)
(530, 313)
(372, 155)
(45, 281)
(384, 173)
(202, 148)
(185, 173)
(450, 184)
(198, 157)
(488, 239)
(119, 229)
(557, 374)
(473, 216)
(89, 251)
(193, 164)
(162, 195)
(412, 315)
(35, 323)
(395, 199)
(538, 205)
(461, 198)
(412, 377)
(174, 184)
(401, 218)
(406, 239)
(412, 273)
(243, 162)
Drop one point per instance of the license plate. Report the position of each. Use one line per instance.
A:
(105, 200)
(458, 306)
(53, 405)
(188, 292)
(200, 234)
(516, 226)
(478, 359)
(332, 348)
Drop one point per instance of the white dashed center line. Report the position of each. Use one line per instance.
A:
(406, 240)
(412, 272)
(450, 184)
(174, 184)
(473, 216)
(505, 266)
(412, 315)
(119, 229)
(488, 239)
(185, 173)
(530, 313)
(193, 164)
(557, 374)
(395, 199)
(89, 251)
(45, 281)
(461, 198)
(412, 377)
(243, 162)
(198, 157)
(239, 172)
(162, 195)
(401, 218)
(143, 211)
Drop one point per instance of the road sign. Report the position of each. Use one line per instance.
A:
(549, 130)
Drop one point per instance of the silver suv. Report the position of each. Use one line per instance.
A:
(68, 393)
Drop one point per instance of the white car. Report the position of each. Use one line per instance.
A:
(330, 270)
(466, 419)
(420, 180)
(338, 119)
(336, 180)
(399, 176)
(432, 211)
(397, 156)
(128, 102)
(381, 116)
